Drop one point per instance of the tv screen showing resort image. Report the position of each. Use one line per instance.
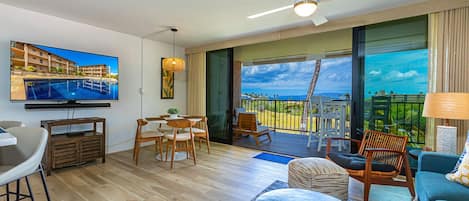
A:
(40, 72)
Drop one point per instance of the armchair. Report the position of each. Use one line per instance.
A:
(380, 159)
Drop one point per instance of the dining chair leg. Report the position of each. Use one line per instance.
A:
(156, 145)
(17, 194)
(207, 140)
(173, 152)
(29, 188)
(167, 150)
(8, 191)
(186, 144)
(137, 153)
(135, 146)
(161, 147)
(44, 184)
(193, 151)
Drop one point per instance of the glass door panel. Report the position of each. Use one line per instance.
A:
(392, 58)
(219, 94)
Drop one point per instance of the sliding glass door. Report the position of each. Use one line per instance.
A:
(219, 94)
(391, 77)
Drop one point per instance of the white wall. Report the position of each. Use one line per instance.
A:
(27, 26)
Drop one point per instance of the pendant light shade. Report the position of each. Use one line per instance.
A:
(305, 8)
(174, 64)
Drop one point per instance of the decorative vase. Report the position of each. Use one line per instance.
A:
(173, 116)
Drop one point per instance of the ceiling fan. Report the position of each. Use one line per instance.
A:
(303, 8)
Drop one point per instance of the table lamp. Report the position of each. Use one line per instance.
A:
(446, 106)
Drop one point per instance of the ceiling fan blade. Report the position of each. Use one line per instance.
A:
(319, 20)
(270, 12)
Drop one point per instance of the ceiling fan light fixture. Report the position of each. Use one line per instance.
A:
(305, 8)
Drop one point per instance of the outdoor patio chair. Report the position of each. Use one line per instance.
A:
(247, 124)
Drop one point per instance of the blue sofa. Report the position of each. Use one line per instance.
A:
(430, 181)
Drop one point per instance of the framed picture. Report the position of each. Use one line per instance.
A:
(167, 83)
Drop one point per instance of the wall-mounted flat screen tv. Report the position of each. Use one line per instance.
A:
(40, 72)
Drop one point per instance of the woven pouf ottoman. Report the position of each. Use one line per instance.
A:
(320, 175)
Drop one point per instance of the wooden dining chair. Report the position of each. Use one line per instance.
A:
(147, 136)
(380, 160)
(180, 141)
(200, 130)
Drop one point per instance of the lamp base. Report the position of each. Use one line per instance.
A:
(446, 139)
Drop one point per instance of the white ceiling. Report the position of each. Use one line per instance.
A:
(199, 21)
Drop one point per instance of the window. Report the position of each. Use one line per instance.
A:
(394, 75)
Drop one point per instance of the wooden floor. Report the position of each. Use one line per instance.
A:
(228, 173)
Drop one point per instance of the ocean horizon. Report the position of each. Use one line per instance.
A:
(300, 97)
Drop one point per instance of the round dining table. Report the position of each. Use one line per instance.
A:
(179, 156)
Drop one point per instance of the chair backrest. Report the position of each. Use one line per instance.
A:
(140, 124)
(247, 121)
(202, 124)
(180, 123)
(26, 155)
(376, 139)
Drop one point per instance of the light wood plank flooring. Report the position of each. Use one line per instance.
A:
(228, 173)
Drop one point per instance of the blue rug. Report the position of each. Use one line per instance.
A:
(274, 158)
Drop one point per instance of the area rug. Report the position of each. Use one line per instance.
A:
(377, 192)
(274, 158)
(274, 186)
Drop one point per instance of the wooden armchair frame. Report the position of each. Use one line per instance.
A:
(247, 124)
(383, 147)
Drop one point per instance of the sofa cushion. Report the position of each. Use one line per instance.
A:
(431, 186)
(357, 162)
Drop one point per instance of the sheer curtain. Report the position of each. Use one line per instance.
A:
(449, 63)
(196, 84)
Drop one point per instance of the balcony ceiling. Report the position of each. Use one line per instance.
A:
(200, 21)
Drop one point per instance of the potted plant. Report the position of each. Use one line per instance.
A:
(173, 113)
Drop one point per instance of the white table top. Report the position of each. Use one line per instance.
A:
(166, 120)
(7, 139)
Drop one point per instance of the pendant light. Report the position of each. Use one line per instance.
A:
(305, 8)
(174, 63)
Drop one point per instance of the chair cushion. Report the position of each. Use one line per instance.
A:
(431, 186)
(147, 134)
(195, 130)
(357, 162)
(262, 128)
(179, 137)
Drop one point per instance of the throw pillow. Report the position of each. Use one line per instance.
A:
(462, 155)
(462, 175)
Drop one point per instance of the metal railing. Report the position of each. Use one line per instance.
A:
(284, 115)
(405, 116)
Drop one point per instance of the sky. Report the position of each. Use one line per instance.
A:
(84, 59)
(400, 72)
(293, 79)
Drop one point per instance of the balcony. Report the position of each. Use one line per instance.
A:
(285, 117)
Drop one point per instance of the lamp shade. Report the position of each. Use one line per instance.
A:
(174, 64)
(447, 106)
